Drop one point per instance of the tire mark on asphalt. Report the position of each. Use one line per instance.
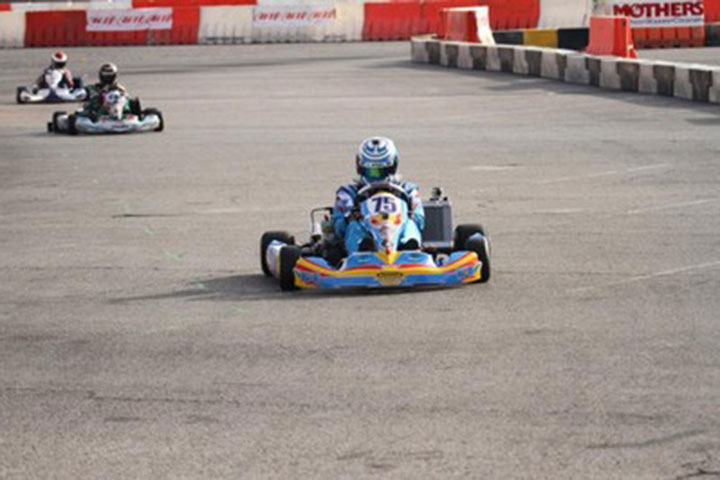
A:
(651, 442)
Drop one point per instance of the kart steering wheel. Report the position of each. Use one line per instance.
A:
(370, 190)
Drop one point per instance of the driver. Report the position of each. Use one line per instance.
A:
(108, 81)
(376, 162)
(57, 62)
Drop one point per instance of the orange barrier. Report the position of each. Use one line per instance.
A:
(513, 14)
(392, 21)
(459, 25)
(431, 13)
(712, 11)
(611, 36)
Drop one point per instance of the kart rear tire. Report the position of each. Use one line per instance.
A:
(50, 127)
(18, 94)
(265, 240)
(289, 256)
(465, 231)
(155, 111)
(72, 129)
(481, 247)
(78, 82)
(54, 122)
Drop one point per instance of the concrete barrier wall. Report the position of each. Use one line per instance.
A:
(687, 81)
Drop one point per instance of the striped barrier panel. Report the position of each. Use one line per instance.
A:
(687, 81)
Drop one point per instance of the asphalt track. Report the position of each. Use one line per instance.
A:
(138, 338)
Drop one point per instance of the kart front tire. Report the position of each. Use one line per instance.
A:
(155, 111)
(18, 94)
(72, 129)
(480, 246)
(135, 108)
(289, 256)
(465, 231)
(267, 237)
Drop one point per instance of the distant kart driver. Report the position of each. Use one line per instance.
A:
(58, 62)
(107, 75)
(376, 162)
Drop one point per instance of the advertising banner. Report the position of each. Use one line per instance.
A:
(129, 20)
(293, 16)
(655, 13)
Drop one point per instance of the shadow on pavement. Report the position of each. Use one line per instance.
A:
(255, 287)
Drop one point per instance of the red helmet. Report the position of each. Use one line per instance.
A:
(59, 59)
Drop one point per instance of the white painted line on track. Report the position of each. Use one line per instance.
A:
(647, 167)
(491, 168)
(641, 278)
(578, 177)
(606, 173)
(560, 211)
(670, 206)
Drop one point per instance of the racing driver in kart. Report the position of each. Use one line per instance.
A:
(58, 62)
(94, 106)
(376, 162)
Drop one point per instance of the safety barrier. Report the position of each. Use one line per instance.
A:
(233, 21)
(512, 14)
(393, 21)
(271, 24)
(691, 82)
(470, 24)
(70, 28)
(12, 29)
(564, 13)
(221, 25)
(611, 36)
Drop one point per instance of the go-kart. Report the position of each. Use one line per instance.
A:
(52, 91)
(119, 114)
(443, 259)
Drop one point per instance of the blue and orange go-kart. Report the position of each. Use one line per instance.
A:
(445, 258)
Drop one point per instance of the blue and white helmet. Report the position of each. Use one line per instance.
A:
(377, 159)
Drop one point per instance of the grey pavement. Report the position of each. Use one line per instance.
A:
(138, 338)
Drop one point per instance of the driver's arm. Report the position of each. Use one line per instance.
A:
(418, 212)
(67, 75)
(344, 204)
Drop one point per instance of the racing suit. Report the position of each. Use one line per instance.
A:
(352, 231)
(67, 78)
(93, 106)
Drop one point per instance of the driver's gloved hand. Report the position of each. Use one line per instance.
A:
(354, 215)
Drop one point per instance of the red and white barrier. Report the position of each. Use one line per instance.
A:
(220, 25)
(469, 24)
(246, 21)
(12, 29)
(307, 23)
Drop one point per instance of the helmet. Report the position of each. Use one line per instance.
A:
(108, 74)
(59, 59)
(377, 159)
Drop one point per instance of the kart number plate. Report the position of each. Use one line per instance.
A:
(390, 279)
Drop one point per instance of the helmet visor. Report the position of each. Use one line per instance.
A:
(374, 173)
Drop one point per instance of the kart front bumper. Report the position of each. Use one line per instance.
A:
(460, 269)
